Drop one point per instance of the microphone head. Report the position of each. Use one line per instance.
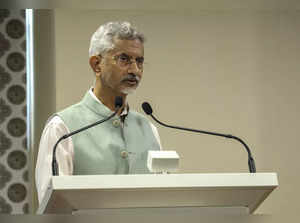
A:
(147, 108)
(118, 102)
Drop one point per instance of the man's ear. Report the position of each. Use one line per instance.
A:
(95, 63)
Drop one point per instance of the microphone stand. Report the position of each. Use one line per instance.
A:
(251, 163)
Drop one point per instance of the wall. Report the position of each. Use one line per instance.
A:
(44, 91)
(13, 111)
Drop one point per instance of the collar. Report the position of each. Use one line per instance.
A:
(124, 112)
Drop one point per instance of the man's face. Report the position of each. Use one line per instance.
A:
(122, 67)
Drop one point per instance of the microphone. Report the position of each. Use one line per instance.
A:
(55, 168)
(251, 164)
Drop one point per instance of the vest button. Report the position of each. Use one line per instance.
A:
(116, 123)
(124, 154)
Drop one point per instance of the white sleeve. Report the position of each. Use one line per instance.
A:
(53, 130)
(155, 132)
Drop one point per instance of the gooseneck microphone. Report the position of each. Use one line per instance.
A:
(55, 168)
(251, 164)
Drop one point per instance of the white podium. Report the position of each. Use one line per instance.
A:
(164, 194)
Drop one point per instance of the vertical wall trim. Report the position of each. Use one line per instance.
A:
(30, 76)
(30, 98)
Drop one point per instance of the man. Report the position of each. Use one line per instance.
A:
(118, 146)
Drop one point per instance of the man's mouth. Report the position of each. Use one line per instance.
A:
(131, 81)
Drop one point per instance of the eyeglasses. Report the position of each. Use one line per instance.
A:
(124, 60)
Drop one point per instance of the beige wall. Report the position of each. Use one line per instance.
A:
(227, 71)
(42, 94)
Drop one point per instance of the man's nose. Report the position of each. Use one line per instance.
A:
(133, 68)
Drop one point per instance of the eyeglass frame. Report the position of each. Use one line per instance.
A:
(131, 61)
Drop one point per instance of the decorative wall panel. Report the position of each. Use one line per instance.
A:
(13, 151)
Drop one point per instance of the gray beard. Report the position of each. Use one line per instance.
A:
(128, 90)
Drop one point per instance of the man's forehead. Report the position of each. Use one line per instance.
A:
(134, 46)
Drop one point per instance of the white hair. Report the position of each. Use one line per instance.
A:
(102, 39)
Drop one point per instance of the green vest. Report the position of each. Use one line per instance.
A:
(110, 147)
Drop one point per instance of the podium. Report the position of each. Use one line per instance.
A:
(163, 194)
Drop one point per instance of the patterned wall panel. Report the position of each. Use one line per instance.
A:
(13, 151)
